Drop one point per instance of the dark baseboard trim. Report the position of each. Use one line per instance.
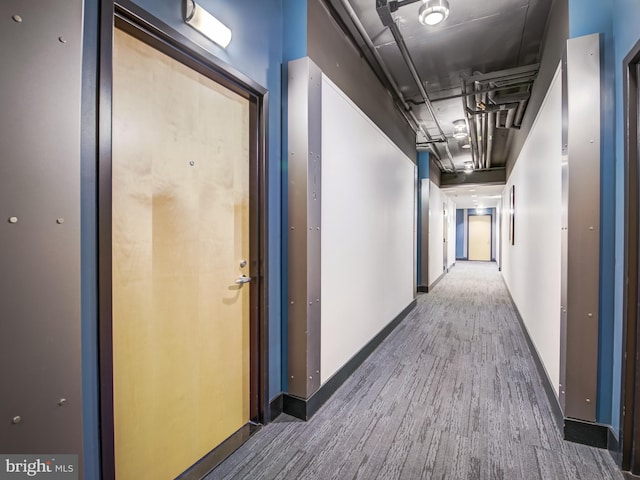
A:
(542, 373)
(215, 457)
(613, 445)
(577, 431)
(423, 288)
(587, 433)
(275, 407)
(306, 408)
(437, 280)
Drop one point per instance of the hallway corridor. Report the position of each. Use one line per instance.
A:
(452, 393)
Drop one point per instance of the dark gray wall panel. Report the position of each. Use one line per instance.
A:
(556, 34)
(583, 222)
(40, 364)
(435, 175)
(305, 162)
(339, 59)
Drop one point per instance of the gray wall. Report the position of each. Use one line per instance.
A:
(555, 37)
(435, 175)
(40, 356)
(339, 59)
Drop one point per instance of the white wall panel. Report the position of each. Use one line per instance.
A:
(368, 202)
(531, 267)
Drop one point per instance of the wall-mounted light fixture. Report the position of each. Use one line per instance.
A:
(208, 25)
(432, 12)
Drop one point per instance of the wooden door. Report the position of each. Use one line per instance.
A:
(480, 237)
(181, 359)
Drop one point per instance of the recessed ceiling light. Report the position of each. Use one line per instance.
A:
(432, 12)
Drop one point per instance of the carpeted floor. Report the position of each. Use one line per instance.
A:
(452, 393)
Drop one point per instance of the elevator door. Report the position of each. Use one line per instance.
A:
(180, 241)
(480, 237)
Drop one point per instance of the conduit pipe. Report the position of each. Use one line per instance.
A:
(511, 116)
(471, 125)
(491, 130)
(367, 40)
(406, 56)
(520, 113)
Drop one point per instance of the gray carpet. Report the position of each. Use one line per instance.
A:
(452, 393)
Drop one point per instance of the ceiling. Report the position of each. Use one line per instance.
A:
(491, 47)
(475, 196)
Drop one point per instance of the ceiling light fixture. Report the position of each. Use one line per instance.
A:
(460, 129)
(198, 18)
(432, 12)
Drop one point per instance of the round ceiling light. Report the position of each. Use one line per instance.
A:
(460, 129)
(432, 12)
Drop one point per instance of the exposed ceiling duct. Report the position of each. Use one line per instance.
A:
(499, 101)
(405, 108)
(384, 10)
(432, 70)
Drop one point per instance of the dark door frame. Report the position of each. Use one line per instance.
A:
(630, 398)
(132, 19)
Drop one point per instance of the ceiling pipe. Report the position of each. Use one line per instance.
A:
(481, 121)
(511, 116)
(384, 12)
(406, 56)
(485, 132)
(491, 130)
(483, 90)
(406, 109)
(471, 124)
(520, 112)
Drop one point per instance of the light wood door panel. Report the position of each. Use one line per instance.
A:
(480, 237)
(180, 230)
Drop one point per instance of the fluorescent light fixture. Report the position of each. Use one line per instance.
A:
(432, 12)
(208, 25)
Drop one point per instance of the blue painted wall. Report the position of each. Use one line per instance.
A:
(587, 17)
(618, 21)
(295, 47)
(626, 18)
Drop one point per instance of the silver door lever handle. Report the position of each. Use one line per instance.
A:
(243, 279)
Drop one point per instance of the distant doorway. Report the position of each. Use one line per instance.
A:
(480, 237)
